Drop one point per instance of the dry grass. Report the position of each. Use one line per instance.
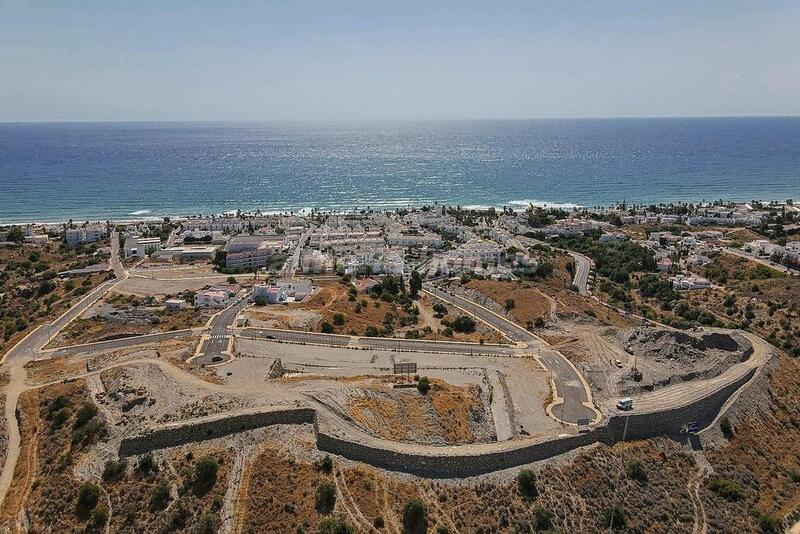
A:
(529, 303)
(442, 415)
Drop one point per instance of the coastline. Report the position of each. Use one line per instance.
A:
(516, 205)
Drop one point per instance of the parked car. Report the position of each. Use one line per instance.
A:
(625, 404)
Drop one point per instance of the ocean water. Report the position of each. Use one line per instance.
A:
(53, 172)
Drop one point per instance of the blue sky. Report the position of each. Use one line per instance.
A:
(342, 60)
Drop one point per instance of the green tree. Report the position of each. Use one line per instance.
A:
(415, 517)
(325, 497)
(334, 525)
(423, 385)
(526, 483)
(205, 474)
(414, 284)
(87, 499)
(510, 304)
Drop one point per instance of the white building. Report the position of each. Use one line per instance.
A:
(249, 259)
(211, 298)
(683, 283)
(84, 234)
(139, 247)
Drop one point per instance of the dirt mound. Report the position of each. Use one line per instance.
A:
(665, 357)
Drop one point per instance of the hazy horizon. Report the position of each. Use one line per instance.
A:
(352, 61)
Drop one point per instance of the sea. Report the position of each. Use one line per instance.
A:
(110, 171)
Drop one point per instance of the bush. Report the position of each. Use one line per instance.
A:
(160, 496)
(325, 497)
(526, 483)
(231, 280)
(85, 414)
(207, 524)
(635, 471)
(114, 471)
(331, 525)
(614, 517)
(99, 519)
(727, 489)
(60, 416)
(338, 319)
(260, 300)
(87, 499)
(147, 465)
(423, 385)
(205, 474)
(464, 324)
(378, 522)
(415, 517)
(726, 428)
(371, 331)
(542, 518)
(324, 464)
(326, 328)
(769, 524)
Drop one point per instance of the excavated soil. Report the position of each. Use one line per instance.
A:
(666, 357)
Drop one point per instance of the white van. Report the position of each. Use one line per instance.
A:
(625, 404)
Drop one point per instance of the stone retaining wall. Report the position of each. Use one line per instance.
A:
(441, 464)
(177, 434)
(639, 426)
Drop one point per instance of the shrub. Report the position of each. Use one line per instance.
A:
(326, 328)
(87, 499)
(727, 489)
(85, 414)
(726, 428)
(207, 524)
(99, 519)
(160, 496)
(338, 319)
(60, 416)
(325, 497)
(205, 474)
(415, 517)
(334, 525)
(231, 280)
(542, 518)
(371, 331)
(114, 471)
(260, 300)
(423, 385)
(614, 517)
(769, 524)
(510, 304)
(464, 324)
(526, 483)
(794, 475)
(635, 471)
(378, 522)
(147, 465)
(324, 464)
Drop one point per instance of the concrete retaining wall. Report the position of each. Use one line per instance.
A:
(180, 434)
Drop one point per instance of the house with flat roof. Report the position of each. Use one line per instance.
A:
(211, 298)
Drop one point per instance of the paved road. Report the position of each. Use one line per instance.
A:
(297, 336)
(569, 385)
(291, 265)
(583, 266)
(121, 343)
(218, 334)
(384, 343)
